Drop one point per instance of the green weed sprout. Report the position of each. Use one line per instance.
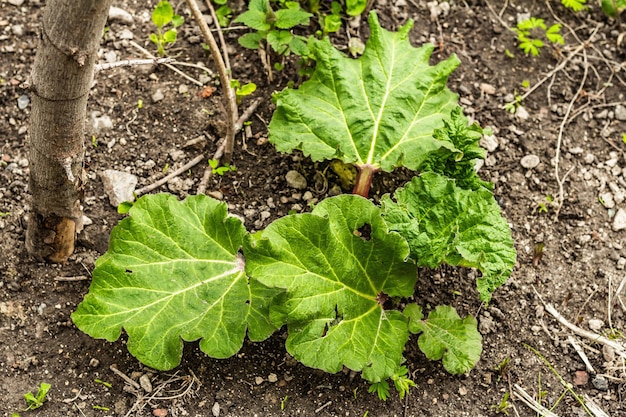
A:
(34, 401)
(223, 13)
(220, 170)
(575, 5)
(163, 15)
(503, 406)
(527, 35)
(242, 91)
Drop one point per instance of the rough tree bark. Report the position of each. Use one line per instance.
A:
(60, 81)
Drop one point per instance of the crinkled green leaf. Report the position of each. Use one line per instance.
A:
(279, 39)
(444, 223)
(444, 335)
(380, 109)
(333, 281)
(355, 7)
(173, 273)
(458, 164)
(288, 18)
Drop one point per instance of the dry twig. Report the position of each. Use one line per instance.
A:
(174, 174)
(229, 94)
(170, 66)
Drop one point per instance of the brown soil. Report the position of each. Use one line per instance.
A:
(581, 266)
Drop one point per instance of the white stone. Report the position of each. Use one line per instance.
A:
(619, 221)
(620, 112)
(157, 96)
(119, 186)
(522, 113)
(16, 2)
(100, 122)
(530, 161)
(489, 142)
(120, 15)
(596, 324)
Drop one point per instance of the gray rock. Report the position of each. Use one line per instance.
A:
(16, 2)
(620, 112)
(530, 161)
(602, 114)
(619, 221)
(120, 15)
(596, 324)
(100, 122)
(296, 180)
(23, 101)
(215, 410)
(489, 142)
(125, 34)
(158, 96)
(600, 383)
(118, 186)
(522, 113)
(18, 30)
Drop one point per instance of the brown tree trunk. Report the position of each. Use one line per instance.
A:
(60, 81)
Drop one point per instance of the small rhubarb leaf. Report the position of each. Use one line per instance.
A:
(379, 110)
(444, 223)
(444, 335)
(173, 272)
(336, 265)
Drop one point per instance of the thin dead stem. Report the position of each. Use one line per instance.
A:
(170, 66)
(229, 94)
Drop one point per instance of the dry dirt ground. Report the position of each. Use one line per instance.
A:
(573, 125)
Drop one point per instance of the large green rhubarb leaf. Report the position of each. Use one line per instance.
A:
(444, 223)
(445, 335)
(379, 110)
(337, 266)
(173, 273)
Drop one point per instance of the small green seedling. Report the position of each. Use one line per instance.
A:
(94, 141)
(528, 33)
(139, 104)
(283, 402)
(242, 91)
(220, 170)
(543, 207)
(512, 106)
(575, 5)
(274, 27)
(4, 213)
(99, 381)
(223, 13)
(163, 15)
(101, 408)
(34, 401)
(503, 406)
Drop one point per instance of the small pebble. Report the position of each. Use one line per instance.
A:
(462, 391)
(596, 324)
(16, 2)
(158, 96)
(489, 142)
(600, 383)
(94, 363)
(18, 30)
(218, 195)
(23, 101)
(145, 383)
(581, 378)
(272, 377)
(487, 89)
(258, 380)
(530, 161)
(296, 180)
(215, 410)
(608, 353)
(620, 112)
(619, 221)
(120, 15)
(522, 113)
(159, 412)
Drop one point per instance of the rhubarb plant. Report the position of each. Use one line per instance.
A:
(341, 279)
